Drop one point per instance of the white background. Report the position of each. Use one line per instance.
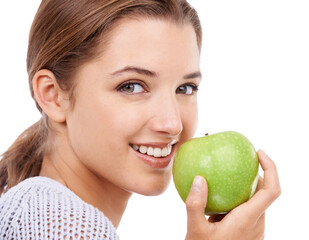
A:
(255, 65)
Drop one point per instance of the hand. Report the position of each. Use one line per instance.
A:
(245, 222)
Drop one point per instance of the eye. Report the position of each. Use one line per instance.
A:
(131, 88)
(187, 89)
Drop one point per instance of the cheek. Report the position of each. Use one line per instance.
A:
(97, 135)
(104, 128)
(123, 121)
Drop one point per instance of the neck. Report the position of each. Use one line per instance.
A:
(97, 191)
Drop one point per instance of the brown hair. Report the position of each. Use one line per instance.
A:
(64, 35)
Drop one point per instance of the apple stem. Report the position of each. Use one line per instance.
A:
(206, 134)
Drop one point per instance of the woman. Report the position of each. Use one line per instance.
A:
(116, 83)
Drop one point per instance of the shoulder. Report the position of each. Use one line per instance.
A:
(43, 208)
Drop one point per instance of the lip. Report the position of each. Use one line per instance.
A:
(153, 162)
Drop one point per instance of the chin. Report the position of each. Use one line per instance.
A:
(154, 187)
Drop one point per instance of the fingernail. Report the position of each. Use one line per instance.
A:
(197, 185)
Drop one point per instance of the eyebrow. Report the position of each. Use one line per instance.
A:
(136, 70)
(150, 73)
(193, 75)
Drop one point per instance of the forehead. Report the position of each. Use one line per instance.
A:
(151, 40)
(152, 31)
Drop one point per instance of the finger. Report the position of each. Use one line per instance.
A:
(271, 178)
(263, 198)
(260, 184)
(196, 203)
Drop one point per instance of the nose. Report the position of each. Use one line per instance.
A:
(166, 117)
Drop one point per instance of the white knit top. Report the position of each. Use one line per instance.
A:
(42, 208)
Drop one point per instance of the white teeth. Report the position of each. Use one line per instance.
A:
(150, 151)
(143, 149)
(169, 149)
(164, 152)
(156, 152)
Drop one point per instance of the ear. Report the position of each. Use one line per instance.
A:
(49, 96)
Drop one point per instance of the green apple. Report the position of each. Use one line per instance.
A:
(228, 162)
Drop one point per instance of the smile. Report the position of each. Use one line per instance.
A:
(153, 151)
(155, 155)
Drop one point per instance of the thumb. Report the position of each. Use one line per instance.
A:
(196, 203)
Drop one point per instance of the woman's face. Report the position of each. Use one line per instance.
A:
(136, 104)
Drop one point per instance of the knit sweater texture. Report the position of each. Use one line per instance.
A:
(42, 208)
